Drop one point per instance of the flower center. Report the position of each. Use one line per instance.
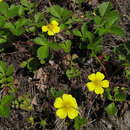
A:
(67, 105)
(50, 27)
(97, 83)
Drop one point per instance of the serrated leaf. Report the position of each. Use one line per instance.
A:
(40, 41)
(73, 72)
(10, 70)
(54, 46)
(119, 95)
(111, 18)
(66, 46)
(76, 32)
(79, 122)
(108, 94)
(59, 12)
(2, 67)
(43, 52)
(117, 30)
(21, 22)
(104, 8)
(38, 17)
(12, 11)
(55, 10)
(56, 93)
(27, 3)
(3, 8)
(111, 109)
(95, 46)
(21, 10)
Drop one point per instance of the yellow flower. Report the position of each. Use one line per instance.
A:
(97, 83)
(51, 28)
(66, 106)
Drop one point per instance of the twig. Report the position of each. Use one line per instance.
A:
(88, 114)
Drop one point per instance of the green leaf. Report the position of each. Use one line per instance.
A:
(104, 8)
(59, 12)
(108, 94)
(2, 67)
(119, 95)
(21, 10)
(127, 45)
(54, 46)
(32, 64)
(21, 22)
(4, 111)
(111, 18)
(2, 21)
(41, 41)
(3, 40)
(76, 32)
(55, 10)
(43, 52)
(66, 46)
(27, 3)
(56, 93)
(10, 70)
(111, 109)
(3, 8)
(97, 19)
(12, 11)
(117, 30)
(84, 29)
(73, 72)
(95, 46)
(6, 100)
(79, 122)
(79, 1)
(38, 17)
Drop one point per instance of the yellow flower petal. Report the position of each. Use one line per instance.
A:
(99, 90)
(66, 97)
(92, 77)
(99, 76)
(44, 28)
(72, 113)
(61, 113)
(56, 29)
(105, 83)
(58, 103)
(73, 103)
(54, 22)
(50, 33)
(90, 86)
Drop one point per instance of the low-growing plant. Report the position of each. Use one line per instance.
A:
(14, 22)
(5, 105)
(6, 75)
(56, 93)
(105, 21)
(79, 122)
(119, 95)
(23, 102)
(72, 70)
